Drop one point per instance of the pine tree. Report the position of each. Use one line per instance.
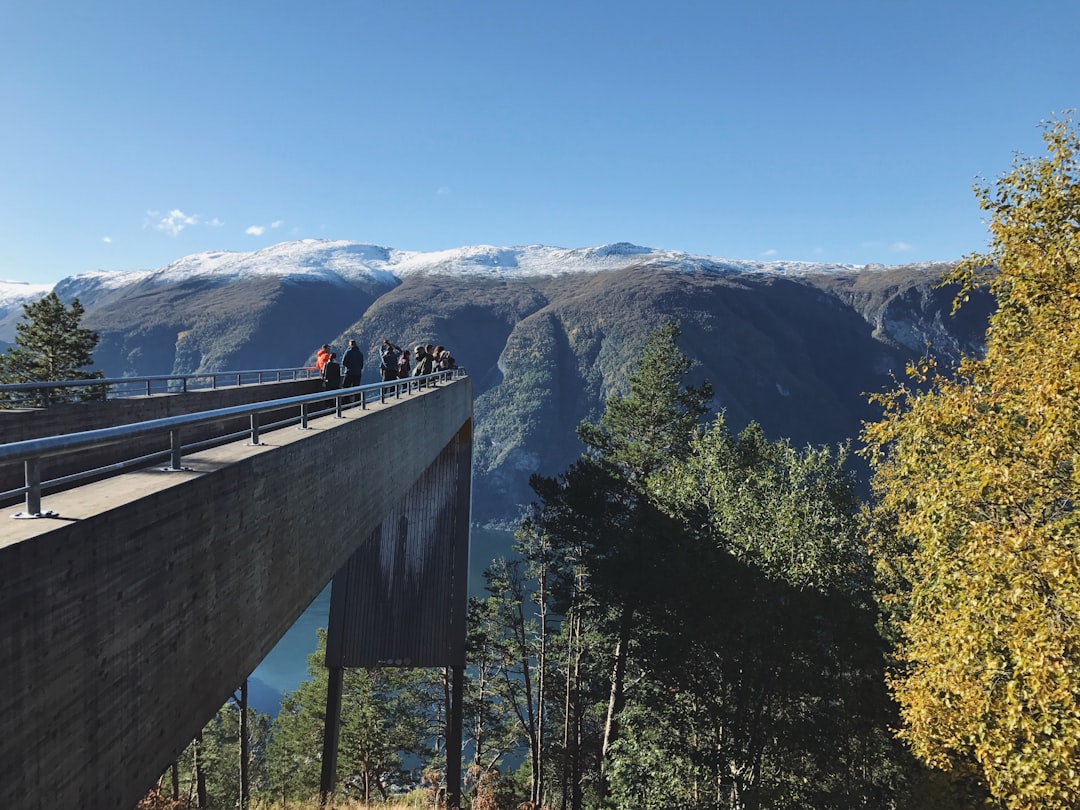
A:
(51, 344)
(386, 714)
(601, 514)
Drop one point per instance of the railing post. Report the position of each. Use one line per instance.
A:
(33, 486)
(174, 448)
(148, 388)
(303, 416)
(183, 385)
(337, 407)
(255, 430)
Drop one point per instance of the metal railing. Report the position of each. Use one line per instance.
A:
(44, 394)
(31, 451)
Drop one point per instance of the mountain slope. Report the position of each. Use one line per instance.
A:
(546, 333)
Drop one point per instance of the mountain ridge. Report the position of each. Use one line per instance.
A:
(547, 333)
(350, 260)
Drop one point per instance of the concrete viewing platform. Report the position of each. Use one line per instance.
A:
(128, 619)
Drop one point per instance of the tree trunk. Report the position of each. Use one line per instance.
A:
(541, 697)
(571, 791)
(200, 775)
(245, 747)
(617, 697)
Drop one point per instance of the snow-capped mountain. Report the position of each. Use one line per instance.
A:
(17, 293)
(13, 295)
(546, 333)
(345, 262)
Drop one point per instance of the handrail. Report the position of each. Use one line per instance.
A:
(260, 376)
(31, 451)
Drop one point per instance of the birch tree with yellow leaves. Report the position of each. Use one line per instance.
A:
(977, 484)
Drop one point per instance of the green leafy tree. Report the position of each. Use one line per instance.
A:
(771, 646)
(51, 344)
(977, 481)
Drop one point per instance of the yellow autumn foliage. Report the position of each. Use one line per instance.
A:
(976, 532)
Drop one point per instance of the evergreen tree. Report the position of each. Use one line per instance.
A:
(976, 531)
(488, 717)
(600, 514)
(386, 714)
(50, 344)
(511, 636)
(212, 765)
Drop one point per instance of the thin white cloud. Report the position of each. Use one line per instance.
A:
(259, 230)
(443, 191)
(900, 247)
(107, 240)
(215, 223)
(768, 253)
(173, 222)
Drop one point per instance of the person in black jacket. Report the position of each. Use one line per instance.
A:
(389, 355)
(331, 373)
(352, 363)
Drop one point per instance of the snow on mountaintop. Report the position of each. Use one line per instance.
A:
(344, 261)
(17, 293)
(347, 262)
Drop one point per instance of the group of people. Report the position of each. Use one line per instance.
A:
(343, 374)
(395, 363)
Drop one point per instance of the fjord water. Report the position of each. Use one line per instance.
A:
(286, 665)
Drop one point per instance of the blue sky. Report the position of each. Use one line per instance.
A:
(135, 132)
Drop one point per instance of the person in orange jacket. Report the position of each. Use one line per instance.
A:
(321, 356)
